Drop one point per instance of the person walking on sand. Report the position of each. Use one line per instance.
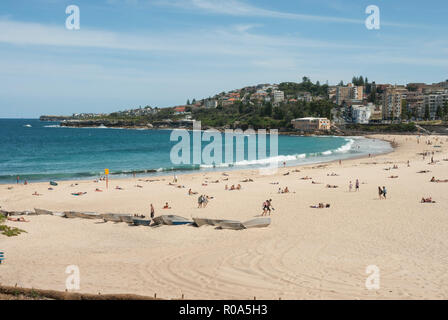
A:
(380, 193)
(152, 211)
(350, 187)
(357, 185)
(384, 192)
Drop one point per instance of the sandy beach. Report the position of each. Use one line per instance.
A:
(305, 253)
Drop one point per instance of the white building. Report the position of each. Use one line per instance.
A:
(361, 114)
(435, 101)
(279, 96)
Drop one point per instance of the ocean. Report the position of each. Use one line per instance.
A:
(43, 151)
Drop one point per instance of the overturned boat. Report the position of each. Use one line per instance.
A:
(112, 217)
(257, 223)
(141, 222)
(90, 215)
(231, 225)
(171, 220)
(42, 212)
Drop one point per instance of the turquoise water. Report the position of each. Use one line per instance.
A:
(42, 151)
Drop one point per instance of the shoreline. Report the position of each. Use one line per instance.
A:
(164, 172)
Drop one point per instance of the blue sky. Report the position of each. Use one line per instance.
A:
(161, 52)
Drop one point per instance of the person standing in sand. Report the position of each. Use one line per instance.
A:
(350, 187)
(357, 185)
(152, 211)
(384, 192)
(380, 193)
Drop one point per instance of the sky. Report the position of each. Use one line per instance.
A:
(131, 53)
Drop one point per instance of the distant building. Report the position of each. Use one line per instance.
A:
(279, 96)
(179, 110)
(210, 103)
(361, 114)
(434, 101)
(311, 124)
(343, 94)
(392, 100)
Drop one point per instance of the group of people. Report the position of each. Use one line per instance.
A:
(238, 187)
(350, 186)
(286, 190)
(382, 192)
(203, 201)
(267, 207)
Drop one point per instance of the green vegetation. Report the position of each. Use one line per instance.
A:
(265, 115)
(292, 88)
(9, 231)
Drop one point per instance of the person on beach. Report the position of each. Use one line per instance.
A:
(200, 201)
(166, 206)
(350, 187)
(384, 192)
(357, 185)
(26, 182)
(380, 193)
(152, 211)
(18, 179)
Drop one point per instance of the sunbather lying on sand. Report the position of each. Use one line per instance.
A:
(331, 186)
(427, 200)
(393, 177)
(191, 192)
(98, 190)
(321, 206)
(314, 182)
(424, 171)
(118, 188)
(138, 186)
(78, 193)
(433, 179)
(306, 178)
(247, 180)
(36, 194)
(21, 219)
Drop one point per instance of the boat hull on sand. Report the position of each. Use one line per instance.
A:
(90, 215)
(141, 222)
(171, 220)
(257, 223)
(231, 225)
(112, 217)
(42, 212)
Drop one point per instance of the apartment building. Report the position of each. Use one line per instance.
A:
(361, 114)
(435, 101)
(392, 99)
(279, 96)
